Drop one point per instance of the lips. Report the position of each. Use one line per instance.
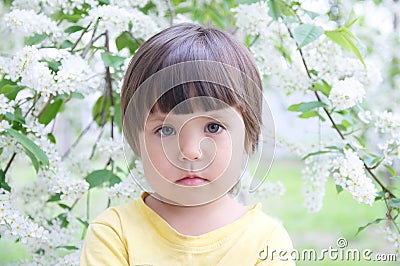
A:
(192, 180)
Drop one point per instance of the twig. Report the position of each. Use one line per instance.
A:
(10, 162)
(87, 48)
(80, 37)
(384, 188)
(95, 144)
(84, 131)
(46, 105)
(171, 12)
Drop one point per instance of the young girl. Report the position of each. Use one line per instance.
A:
(191, 104)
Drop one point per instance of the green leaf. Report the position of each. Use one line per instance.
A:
(11, 91)
(306, 106)
(394, 203)
(64, 206)
(309, 114)
(125, 40)
(3, 183)
(66, 44)
(360, 141)
(73, 29)
(339, 188)
(343, 37)
(306, 33)
(114, 179)
(77, 95)
(314, 153)
(51, 137)
(376, 221)
(390, 169)
(29, 145)
(325, 88)
(85, 223)
(274, 9)
(50, 112)
(340, 127)
(98, 177)
(118, 116)
(380, 195)
(101, 111)
(34, 160)
(110, 60)
(54, 65)
(68, 247)
(35, 39)
(311, 14)
(350, 23)
(372, 160)
(55, 197)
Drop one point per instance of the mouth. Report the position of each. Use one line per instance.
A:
(192, 180)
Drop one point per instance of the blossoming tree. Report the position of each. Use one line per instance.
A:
(65, 57)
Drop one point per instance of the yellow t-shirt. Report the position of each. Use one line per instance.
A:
(133, 234)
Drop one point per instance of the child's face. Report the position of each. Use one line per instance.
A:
(185, 152)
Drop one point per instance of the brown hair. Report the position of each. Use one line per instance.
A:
(190, 42)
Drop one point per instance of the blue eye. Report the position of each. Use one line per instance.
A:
(213, 128)
(166, 131)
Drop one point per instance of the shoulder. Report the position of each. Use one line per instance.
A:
(116, 213)
(270, 229)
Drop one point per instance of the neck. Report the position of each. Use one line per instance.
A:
(185, 219)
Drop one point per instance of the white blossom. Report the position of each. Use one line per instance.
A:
(125, 190)
(346, 93)
(72, 75)
(28, 23)
(387, 122)
(69, 6)
(22, 60)
(129, 3)
(365, 117)
(116, 20)
(252, 18)
(393, 237)
(111, 148)
(4, 125)
(349, 173)
(315, 176)
(47, 6)
(6, 105)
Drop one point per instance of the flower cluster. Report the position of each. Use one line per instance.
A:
(29, 67)
(14, 225)
(111, 148)
(116, 20)
(265, 190)
(129, 3)
(128, 188)
(252, 18)
(393, 237)
(28, 23)
(349, 173)
(315, 176)
(346, 93)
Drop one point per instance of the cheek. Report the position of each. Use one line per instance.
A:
(154, 155)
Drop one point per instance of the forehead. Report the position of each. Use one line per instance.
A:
(226, 115)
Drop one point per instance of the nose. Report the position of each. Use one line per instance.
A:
(189, 144)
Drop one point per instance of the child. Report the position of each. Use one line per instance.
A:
(191, 104)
